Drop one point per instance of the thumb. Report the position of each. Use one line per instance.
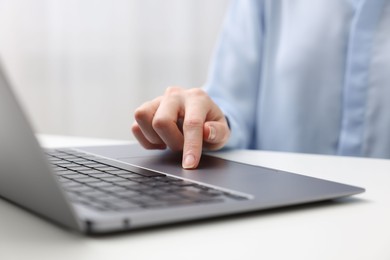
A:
(215, 134)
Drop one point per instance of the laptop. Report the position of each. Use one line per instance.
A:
(104, 189)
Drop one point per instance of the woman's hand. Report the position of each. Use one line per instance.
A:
(184, 120)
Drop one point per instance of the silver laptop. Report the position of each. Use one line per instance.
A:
(117, 188)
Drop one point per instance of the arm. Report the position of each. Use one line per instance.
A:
(234, 77)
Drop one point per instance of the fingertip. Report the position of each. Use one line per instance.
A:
(189, 161)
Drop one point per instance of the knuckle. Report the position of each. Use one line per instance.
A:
(141, 113)
(192, 123)
(159, 123)
(197, 92)
(200, 96)
(173, 90)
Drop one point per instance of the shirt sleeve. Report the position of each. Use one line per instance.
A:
(234, 76)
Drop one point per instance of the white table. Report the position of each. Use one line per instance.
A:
(353, 229)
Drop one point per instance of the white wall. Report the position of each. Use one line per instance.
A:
(81, 67)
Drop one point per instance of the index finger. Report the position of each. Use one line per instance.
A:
(194, 119)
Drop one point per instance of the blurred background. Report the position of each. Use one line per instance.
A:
(81, 67)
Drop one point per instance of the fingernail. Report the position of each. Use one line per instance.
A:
(189, 161)
(212, 133)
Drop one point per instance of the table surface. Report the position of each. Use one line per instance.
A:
(355, 228)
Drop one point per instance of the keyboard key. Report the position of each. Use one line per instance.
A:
(88, 180)
(113, 179)
(99, 184)
(90, 171)
(74, 175)
(127, 193)
(111, 169)
(66, 164)
(170, 197)
(127, 183)
(99, 175)
(140, 179)
(93, 193)
(149, 173)
(96, 165)
(78, 168)
(114, 189)
(123, 172)
(182, 183)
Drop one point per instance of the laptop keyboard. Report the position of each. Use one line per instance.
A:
(107, 188)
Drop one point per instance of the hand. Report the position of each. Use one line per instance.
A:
(184, 120)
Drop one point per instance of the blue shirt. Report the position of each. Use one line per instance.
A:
(305, 76)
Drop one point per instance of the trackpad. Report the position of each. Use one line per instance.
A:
(211, 170)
